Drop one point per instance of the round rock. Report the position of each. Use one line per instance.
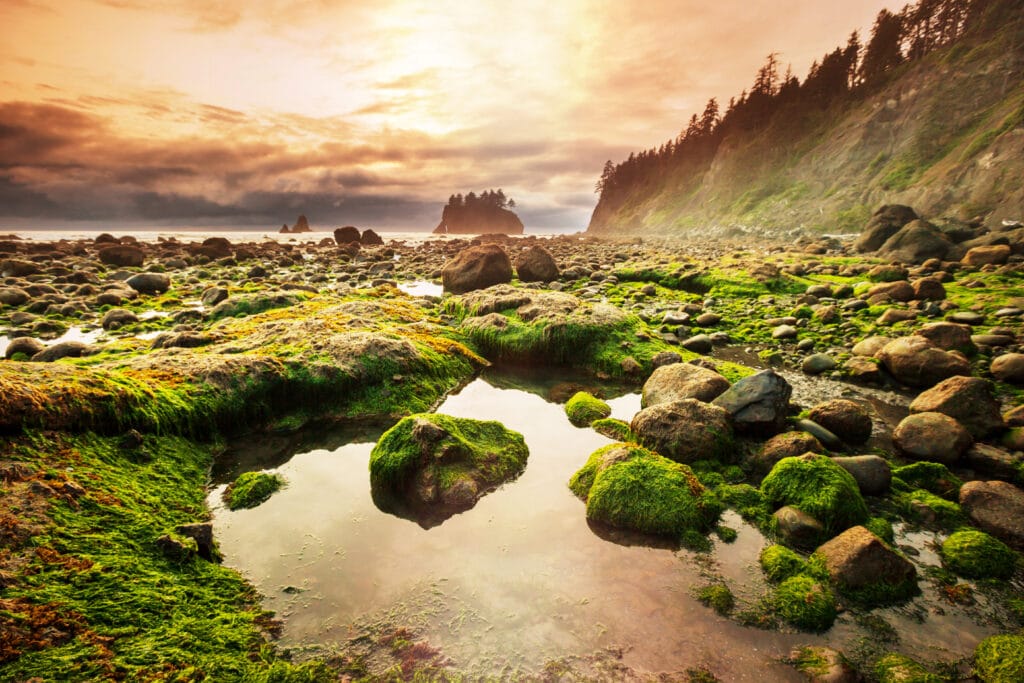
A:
(846, 419)
(679, 381)
(933, 437)
(685, 430)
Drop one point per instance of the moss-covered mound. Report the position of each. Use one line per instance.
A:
(814, 484)
(616, 430)
(250, 489)
(976, 555)
(933, 477)
(780, 563)
(509, 324)
(583, 409)
(430, 460)
(805, 603)
(928, 509)
(1000, 659)
(630, 487)
(897, 668)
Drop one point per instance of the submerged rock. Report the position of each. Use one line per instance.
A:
(437, 465)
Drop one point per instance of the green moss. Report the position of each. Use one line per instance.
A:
(452, 447)
(819, 487)
(583, 409)
(780, 563)
(897, 668)
(1000, 659)
(810, 661)
(805, 603)
(629, 487)
(613, 429)
(726, 533)
(930, 476)
(126, 606)
(926, 508)
(976, 555)
(718, 597)
(748, 501)
(251, 488)
(880, 527)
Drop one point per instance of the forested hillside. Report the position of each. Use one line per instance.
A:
(928, 110)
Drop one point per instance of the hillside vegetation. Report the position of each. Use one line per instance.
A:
(929, 112)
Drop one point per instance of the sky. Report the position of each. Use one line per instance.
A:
(368, 112)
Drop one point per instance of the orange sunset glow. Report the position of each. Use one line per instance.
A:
(237, 113)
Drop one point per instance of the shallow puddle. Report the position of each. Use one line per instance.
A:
(421, 288)
(521, 579)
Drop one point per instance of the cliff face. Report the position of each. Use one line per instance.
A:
(477, 220)
(944, 134)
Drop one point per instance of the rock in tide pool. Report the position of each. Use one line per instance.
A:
(430, 466)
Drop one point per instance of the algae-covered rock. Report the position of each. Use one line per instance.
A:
(583, 409)
(897, 668)
(780, 563)
(629, 487)
(930, 476)
(1000, 659)
(250, 489)
(814, 484)
(824, 665)
(805, 603)
(976, 555)
(438, 465)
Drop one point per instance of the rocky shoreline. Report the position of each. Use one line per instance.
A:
(128, 364)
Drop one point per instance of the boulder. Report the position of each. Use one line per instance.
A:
(785, 445)
(26, 345)
(915, 361)
(68, 349)
(213, 296)
(884, 223)
(679, 381)
(996, 254)
(817, 363)
(122, 256)
(685, 430)
(817, 486)
(758, 403)
(900, 290)
(370, 239)
(13, 296)
(858, 559)
(929, 289)
(347, 235)
(968, 400)
(116, 318)
(846, 419)
(870, 346)
(698, 343)
(931, 436)
(149, 283)
(994, 462)
(997, 508)
(213, 248)
(916, 242)
(1008, 367)
(871, 472)
(948, 336)
(476, 267)
(536, 264)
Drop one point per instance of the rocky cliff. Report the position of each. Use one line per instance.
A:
(943, 133)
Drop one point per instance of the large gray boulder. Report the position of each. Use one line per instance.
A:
(123, 256)
(759, 403)
(679, 381)
(916, 242)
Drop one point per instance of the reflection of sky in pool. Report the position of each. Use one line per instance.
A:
(421, 288)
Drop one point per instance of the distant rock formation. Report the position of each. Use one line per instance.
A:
(477, 215)
(301, 225)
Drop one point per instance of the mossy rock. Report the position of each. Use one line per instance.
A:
(583, 409)
(930, 476)
(250, 489)
(780, 563)
(976, 555)
(748, 501)
(442, 464)
(629, 487)
(617, 430)
(897, 668)
(924, 507)
(817, 486)
(718, 597)
(882, 528)
(1000, 659)
(805, 603)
